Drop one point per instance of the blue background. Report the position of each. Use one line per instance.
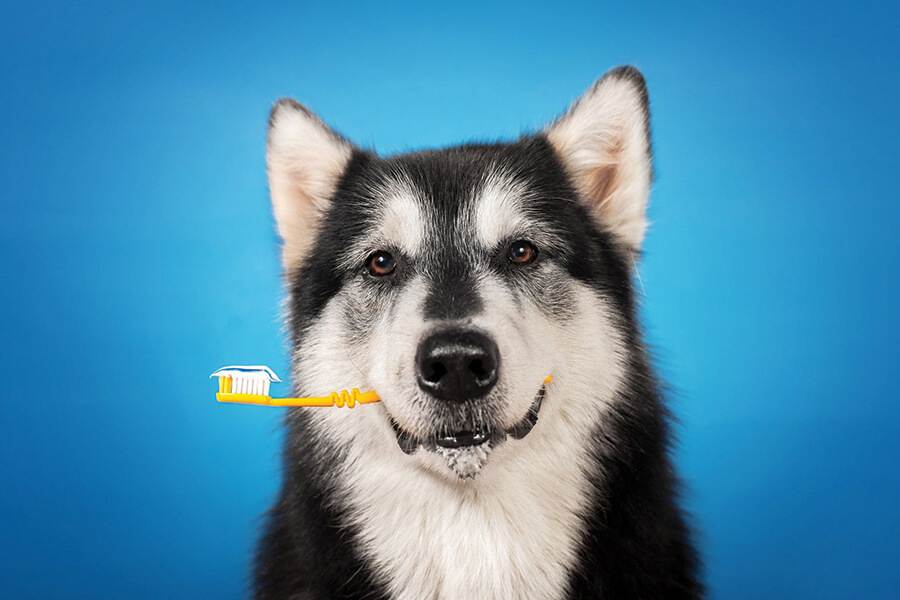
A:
(138, 255)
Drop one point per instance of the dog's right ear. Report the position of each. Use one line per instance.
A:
(306, 159)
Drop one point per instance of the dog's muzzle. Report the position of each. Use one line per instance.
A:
(458, 368)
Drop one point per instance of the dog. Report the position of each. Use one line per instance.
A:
(454, 282)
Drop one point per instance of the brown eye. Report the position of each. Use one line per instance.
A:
(521, 252)
(380, 263)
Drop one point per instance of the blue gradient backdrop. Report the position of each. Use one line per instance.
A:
(138, 254)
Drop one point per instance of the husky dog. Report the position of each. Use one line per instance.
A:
(453, 282)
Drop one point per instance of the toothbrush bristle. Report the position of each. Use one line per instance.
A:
(250, 384)
(245, 380)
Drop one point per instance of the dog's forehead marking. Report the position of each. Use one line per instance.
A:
(401, 221)
(500, 209)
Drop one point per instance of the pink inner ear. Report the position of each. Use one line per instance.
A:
(601, 183)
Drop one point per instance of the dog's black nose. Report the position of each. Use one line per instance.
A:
(457, 365)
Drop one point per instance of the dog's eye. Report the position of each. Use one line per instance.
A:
(521, 252)
(381, 263)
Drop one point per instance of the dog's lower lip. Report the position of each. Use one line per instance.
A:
(524, 427)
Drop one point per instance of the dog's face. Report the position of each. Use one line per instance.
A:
(454, 282)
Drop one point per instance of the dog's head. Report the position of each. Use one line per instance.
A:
(453, 282)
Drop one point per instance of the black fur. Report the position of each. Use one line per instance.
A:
(636, 543)
(308, 552)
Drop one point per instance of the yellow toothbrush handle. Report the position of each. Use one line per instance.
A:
(339, 399)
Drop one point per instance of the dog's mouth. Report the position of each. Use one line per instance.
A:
(467, 450)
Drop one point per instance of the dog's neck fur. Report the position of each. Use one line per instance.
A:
(513, 531)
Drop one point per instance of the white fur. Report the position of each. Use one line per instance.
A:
(499, 212)
(605, 134)
(402, 221)
(305, 160)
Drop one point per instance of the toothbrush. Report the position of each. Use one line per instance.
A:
(250, 385)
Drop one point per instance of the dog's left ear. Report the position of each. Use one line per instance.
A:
(604, 141)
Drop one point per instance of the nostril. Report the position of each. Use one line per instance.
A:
(476, 367)
(434, 372)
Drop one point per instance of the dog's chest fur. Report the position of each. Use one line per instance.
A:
(512, 535)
